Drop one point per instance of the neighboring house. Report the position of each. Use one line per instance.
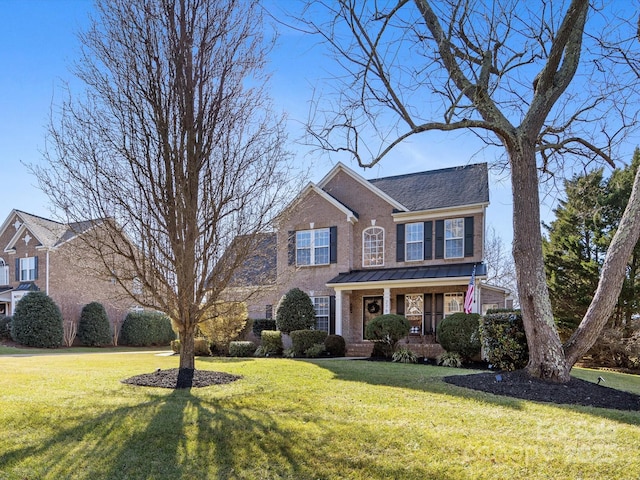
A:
(406, 244)
(38, 254)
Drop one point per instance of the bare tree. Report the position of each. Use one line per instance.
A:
(501, 269)
(504, 71)
(175, 143)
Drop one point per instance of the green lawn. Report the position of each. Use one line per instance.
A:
(69, 417)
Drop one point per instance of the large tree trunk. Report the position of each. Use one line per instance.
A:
(546, 356)
(187, 356)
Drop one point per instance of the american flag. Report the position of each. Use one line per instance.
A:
(468, 299)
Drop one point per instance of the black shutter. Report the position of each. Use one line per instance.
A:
(400, 243)
(468, 237)
(333, 244)
(428, 304)
(439, 301)
(17, 269)
(400, 304)
(291, 245)
(35, 267)
(428, 235)
(439, 238)
(332, 314)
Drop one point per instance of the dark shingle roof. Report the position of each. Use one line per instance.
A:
(449, 187)
(410, 273)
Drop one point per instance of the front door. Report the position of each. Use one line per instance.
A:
(371, 308)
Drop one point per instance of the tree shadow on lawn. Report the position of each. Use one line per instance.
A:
(177, 435)
(469, 384)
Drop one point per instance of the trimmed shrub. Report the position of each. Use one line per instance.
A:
(450, 359)
(242, 349)
(37, 322)
(404, 355)
(504, 342)
(260, 324)
(271, 342)
(94, 328)
(335, 345)
(460, 333)
(314, 351)
(145, 329)
(5, 328)
(305, 339)
(223, 323)
(201, 347)
(295, 312)
(385, 331)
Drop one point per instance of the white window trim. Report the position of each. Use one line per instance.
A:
(459, 300)
(364, 257)
(326, 299)
(312, 247)
(450, 239)
(407, 242)
(30, 269)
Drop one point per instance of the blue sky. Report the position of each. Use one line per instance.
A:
(39, 46)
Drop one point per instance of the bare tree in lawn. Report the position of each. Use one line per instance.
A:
(547, 81)
(175, 142)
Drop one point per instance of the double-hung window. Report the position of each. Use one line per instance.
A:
(454, 238)
(312, 247)
(321, 306)
(28, 269)
(373, 247)
(414, 241)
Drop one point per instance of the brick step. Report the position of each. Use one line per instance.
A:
(429, 350)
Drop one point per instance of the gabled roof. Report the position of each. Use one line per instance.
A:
(448, 187)
(311, 187)
(340, 167)
(48, 233)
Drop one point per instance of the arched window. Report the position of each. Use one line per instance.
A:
(373, 247)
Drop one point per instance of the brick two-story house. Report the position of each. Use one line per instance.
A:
(406, 244)
(38, 254)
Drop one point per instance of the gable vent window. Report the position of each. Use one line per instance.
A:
(373, 247)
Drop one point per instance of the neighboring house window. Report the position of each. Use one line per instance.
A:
(312, 247)
(321, 306)
(414, 241)
(373, 247)
(453, 303)
(136, 287)
(414, 312)
(454, 238)
(4, 272)
(28, 268)
(268, 311)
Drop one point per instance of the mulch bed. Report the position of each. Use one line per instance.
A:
(169, 378)
(519, 384)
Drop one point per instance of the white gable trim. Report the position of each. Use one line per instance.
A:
(19, 234)
(311, 187)
(401, 217)
(340, 167)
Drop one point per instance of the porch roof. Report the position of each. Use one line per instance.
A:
(404, 274)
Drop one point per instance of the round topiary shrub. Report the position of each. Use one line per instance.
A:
(302, 340)
(144, 329)
(386, 330)
(460, 333)
(295, 312)
(335, 345)
(94, 328)
(37, 322)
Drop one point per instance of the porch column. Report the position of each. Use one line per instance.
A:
(386, 301)
(338, 319)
